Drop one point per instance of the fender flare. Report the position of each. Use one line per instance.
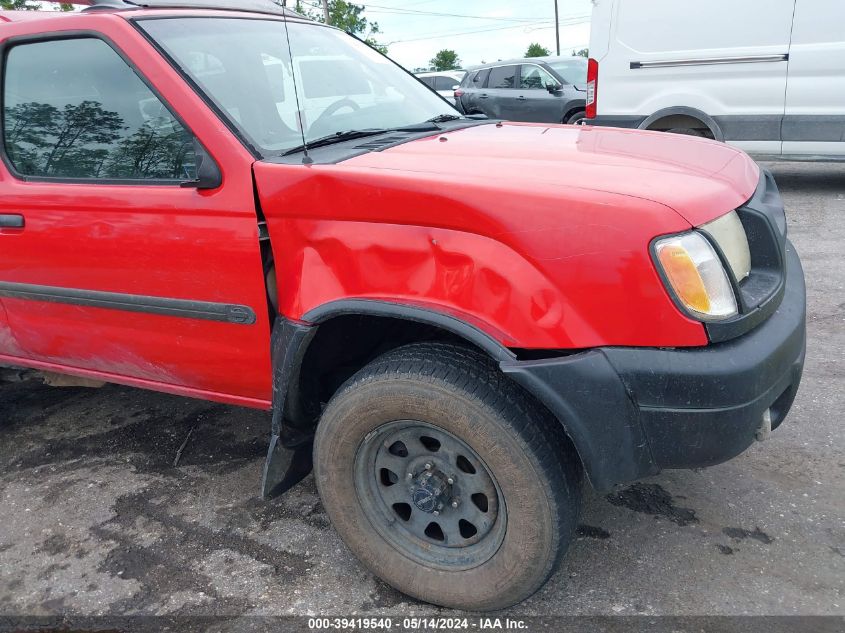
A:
(289, 453)
(371, 307)
(705, 118)
(607, 437)
(574, 104)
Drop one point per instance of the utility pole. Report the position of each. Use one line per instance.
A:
(557, 28)
(326, 10)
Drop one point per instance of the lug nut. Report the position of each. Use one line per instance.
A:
(450, 481)
(428, 466)
(436, 513)
(456, 503)
(410, 475)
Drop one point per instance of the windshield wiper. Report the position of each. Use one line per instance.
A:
(337, 137)
(442, 118)
(348, 135)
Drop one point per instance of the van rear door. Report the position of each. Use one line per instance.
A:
(814, 122)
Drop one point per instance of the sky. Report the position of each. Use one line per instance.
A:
(492, 30)
(478, 30)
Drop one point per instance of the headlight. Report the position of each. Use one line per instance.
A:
(729, 234)
(695, 274)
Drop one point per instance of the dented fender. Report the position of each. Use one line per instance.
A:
(531, 270)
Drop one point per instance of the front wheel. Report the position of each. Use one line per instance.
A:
(446, 479)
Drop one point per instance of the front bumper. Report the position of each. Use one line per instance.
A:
(633, 411)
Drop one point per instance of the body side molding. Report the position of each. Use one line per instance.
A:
(183, 308)
(711, 61)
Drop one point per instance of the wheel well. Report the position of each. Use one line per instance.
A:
(572, 112)
(343, 345)
(682, 121)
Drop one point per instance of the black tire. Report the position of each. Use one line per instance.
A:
(687, 131)
(458, 393)
(577, 118)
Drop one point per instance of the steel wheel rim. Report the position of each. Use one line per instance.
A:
(430, 495)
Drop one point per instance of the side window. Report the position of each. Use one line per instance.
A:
(442, 82)
(428, 81)
(74, 109)
(480, 79)
(535, 78)
(502, 77)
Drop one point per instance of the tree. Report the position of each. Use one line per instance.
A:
(537, 50)
(29, 5)
(347, 17)
(584, 52)
(158, 149)
(46, 141)
(78, 128)
(446, 59)
(29, 127)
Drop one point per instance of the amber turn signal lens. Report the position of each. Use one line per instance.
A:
(684, 277)
(696, 275)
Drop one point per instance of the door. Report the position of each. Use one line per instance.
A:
(123, 268)
(537, 103)
(8, 345)
(814, 123)
(499, 100)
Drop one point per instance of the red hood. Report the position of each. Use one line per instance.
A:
(698, 178)
(538, 235)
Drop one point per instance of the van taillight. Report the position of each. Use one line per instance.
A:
(592, 87)
(459, 93)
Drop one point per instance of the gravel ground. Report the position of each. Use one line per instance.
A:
(97, 520)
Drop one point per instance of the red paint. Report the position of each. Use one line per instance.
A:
(536, 234)
(147, 240)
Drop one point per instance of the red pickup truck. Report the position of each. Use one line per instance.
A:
(458, 318)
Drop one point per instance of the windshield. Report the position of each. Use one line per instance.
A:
(243, 65)
(573, 71)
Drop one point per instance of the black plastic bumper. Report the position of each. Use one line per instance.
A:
(624, 121)
(633, 411)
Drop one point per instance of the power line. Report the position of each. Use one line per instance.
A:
(517, 22)
(580, 20)
(375, 8)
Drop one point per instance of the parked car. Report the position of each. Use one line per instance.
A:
(443, 83)
(770, 80)
(538, 89)
(456, 319)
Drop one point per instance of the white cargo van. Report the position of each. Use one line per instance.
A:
(765, 75)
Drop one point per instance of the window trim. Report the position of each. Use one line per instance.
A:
(53, 36)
